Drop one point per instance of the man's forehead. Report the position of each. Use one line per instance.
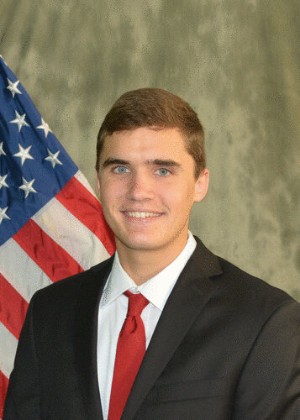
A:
(145, 138)
(143, 146)
(146, 130)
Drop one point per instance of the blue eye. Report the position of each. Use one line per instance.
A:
(120, 170)
(163, 172)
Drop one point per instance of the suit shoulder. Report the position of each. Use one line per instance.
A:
(71, 284)
(248, 288)
(232, 280)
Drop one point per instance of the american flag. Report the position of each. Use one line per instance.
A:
(51, 225)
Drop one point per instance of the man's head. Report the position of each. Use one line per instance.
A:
(150, 172)
(156, 108)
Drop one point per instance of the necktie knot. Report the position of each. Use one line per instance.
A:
(136, 303)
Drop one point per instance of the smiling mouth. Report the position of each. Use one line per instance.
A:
(141, 214)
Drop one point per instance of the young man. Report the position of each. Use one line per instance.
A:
(219, 343)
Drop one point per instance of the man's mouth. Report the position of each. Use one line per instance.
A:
(141, 214)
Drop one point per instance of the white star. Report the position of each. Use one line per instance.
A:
(27, 187)
(20, 121)
(3, 214)
(1, 56)
(13, 87)
(3, 181)
(53, 158)
(44, 126)
(1, 149)
(24, 154)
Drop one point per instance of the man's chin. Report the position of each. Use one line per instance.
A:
(138, 244)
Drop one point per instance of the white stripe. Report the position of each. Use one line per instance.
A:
(7, 351)
(82, 179)
(20, 270)
(72, 235)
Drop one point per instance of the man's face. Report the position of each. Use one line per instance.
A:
(147, 189)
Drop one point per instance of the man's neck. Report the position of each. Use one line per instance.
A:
(142, 265)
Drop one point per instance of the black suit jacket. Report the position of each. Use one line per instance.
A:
(227, 346)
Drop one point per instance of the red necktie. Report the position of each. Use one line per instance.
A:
(130, 352)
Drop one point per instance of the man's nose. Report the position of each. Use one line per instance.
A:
(141, 187)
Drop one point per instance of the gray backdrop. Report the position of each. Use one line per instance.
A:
(236, 62)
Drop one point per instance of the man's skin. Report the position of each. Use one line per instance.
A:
(147, 187)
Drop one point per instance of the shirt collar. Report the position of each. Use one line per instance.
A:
(157, 289)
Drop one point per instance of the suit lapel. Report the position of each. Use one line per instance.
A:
(189, 296)
(86, 337)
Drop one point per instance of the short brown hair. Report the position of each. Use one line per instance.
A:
(157, 108)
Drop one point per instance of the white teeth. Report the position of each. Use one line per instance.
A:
(141, 214)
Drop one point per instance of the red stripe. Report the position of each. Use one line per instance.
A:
(86, 208)
(13, 307)
(3, 390)
(46, 253)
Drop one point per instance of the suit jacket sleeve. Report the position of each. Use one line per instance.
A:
(269, 386)
(22, 400)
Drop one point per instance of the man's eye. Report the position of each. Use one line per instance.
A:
(163, 172)
(120, 170)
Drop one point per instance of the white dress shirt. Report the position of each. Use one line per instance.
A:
(113, 310)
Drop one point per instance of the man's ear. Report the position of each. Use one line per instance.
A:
(98, 189)
(201, 185)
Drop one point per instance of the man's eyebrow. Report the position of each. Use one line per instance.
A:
(157, 162)
(163, 162)
(114, 161)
